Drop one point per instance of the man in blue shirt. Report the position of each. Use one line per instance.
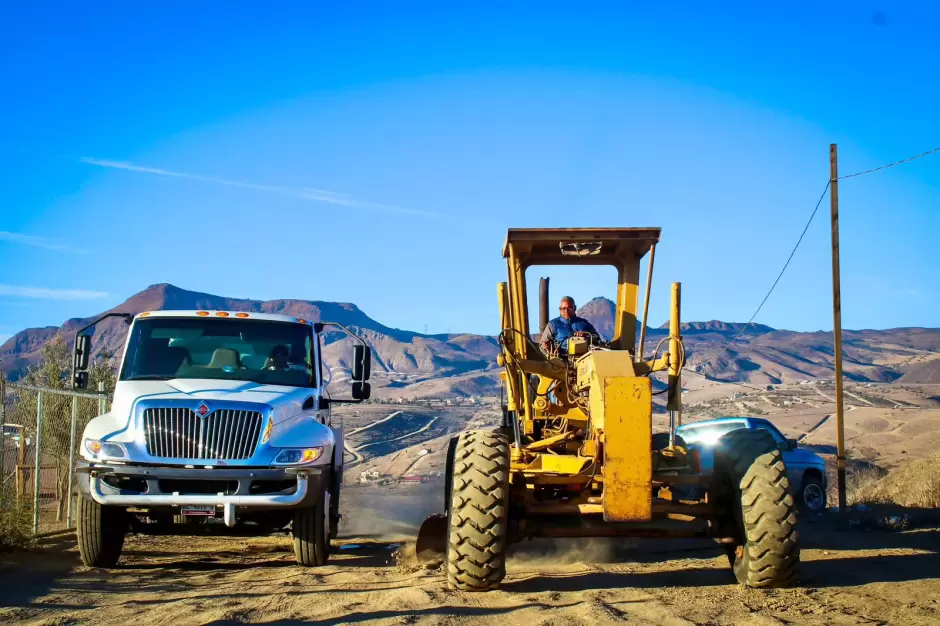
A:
(568, 325)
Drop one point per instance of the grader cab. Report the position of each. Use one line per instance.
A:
(576, 455)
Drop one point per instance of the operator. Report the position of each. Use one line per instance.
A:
(568, 325)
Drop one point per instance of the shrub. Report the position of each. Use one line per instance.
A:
(914, 485)
(16, 521)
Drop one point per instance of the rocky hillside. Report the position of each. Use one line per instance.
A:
(464, 364)
(395, 351)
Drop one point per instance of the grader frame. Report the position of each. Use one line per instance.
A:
(575, 455)
(606, 394)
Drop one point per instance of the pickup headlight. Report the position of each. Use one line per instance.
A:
(105, 449)
(297, 456)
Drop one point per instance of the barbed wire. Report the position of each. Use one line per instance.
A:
(884, 167)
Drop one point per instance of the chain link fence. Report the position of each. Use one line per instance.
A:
(42, 431)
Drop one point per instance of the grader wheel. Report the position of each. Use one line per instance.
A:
(763, 516)
(479, 511)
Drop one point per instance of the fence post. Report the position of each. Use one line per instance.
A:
(3, 432)
(68, 493)
(102, 400)
(37, 464)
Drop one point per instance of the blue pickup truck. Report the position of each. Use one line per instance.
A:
(806, 470)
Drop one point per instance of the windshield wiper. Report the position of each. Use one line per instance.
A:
(150, 377)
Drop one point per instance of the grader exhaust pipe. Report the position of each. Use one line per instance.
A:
(543, 304)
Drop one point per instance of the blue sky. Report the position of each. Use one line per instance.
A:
(377, 156)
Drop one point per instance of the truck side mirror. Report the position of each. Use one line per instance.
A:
(361, 391)
(792, 444)
(362, 363)
(81, 380)
(82, 353)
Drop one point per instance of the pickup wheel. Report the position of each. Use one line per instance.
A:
(311, 534)
(812, 495)
(101, 531)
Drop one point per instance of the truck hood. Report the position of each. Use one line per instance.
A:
(285, 401)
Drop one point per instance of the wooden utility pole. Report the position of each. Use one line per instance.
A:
(837, 319)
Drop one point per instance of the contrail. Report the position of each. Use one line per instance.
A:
(309, 193)
(39, 242)
(45, 293)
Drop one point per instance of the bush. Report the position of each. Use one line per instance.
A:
(16, 521)
(914, 485)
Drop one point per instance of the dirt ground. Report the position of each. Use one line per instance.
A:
(848, 578)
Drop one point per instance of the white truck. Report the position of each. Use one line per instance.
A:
(216, 414)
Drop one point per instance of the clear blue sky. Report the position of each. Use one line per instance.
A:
(375, 155)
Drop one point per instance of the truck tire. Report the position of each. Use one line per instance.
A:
(310, 530)
(478, 514)
(753, 491)
(812, 497)
(101, 531)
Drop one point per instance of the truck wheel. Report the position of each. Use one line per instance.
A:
(812, 495)
(753, 492)
(478, 524)
(311, 534)
(101, 531)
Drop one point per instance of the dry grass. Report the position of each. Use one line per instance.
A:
(16, 523)
(915, 485)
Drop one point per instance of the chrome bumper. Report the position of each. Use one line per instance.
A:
(90, 482)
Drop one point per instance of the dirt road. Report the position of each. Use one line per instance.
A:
(849, 578)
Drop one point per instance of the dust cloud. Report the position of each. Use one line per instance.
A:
(388, 512)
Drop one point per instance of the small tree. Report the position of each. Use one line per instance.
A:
(52, 372)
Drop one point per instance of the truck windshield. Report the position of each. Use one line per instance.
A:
(262, 351)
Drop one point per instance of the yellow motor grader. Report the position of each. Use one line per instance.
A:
(576, 455)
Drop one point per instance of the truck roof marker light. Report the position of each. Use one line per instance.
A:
(222, 314)
(202, 313)
(301, 321)
(241, 315)
(144, 314)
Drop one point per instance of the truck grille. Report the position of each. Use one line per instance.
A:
(224, 434)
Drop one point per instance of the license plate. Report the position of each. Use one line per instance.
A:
(197, 510)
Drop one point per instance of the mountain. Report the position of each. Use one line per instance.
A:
(449, 364)
(395, 351)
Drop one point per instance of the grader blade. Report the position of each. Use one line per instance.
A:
(431, 545)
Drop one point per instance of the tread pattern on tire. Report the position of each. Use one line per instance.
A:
(100, 533)
(766, 512)
(311, 548)
(479, 511)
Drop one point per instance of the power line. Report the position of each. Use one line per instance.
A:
(793, 252)
(884, 167)
(780, 275)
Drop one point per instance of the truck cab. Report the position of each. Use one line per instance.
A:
(216, 414)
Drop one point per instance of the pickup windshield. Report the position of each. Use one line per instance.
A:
(262, 351)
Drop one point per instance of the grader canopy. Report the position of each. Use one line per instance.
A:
(622, 248)
(576, 455)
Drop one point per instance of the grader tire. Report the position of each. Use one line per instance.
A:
(765, 515)
(478, 515)
(100, 531)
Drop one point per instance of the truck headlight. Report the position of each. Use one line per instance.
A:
(105, 449)
(297, 456)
